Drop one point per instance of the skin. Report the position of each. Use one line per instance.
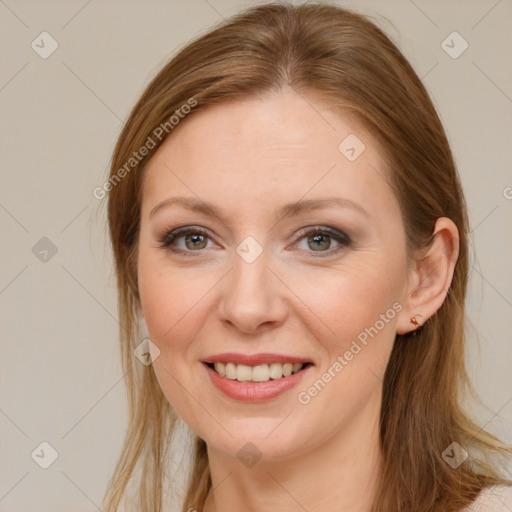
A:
(249, 157)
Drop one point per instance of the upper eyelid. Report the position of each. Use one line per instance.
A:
(183, 230)
(321, 229)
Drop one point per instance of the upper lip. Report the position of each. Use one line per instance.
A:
(254, 359)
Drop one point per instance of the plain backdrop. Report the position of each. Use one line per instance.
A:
(61, 378)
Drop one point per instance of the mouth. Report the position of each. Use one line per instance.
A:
(257, 373)
(256, 383)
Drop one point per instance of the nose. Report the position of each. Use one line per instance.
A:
(253, 297)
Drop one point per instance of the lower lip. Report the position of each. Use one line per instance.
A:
(255, 391)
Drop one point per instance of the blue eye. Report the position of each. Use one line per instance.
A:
(318, 239)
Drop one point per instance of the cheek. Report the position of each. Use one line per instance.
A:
(357, 310)
(171, 300)
(351, 300)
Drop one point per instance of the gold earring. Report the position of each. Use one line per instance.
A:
(414, 321)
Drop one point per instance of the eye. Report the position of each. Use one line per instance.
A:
(320, 240)
(194, 239)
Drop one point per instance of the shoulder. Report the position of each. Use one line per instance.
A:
(497, 498)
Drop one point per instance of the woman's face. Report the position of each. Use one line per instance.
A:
(257, 279)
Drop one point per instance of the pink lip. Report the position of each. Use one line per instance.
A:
(255, 359)
(255, 391)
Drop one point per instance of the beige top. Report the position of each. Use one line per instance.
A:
(492, 499)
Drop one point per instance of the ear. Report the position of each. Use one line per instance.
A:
(430, 277)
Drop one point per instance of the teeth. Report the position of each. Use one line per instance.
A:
(259, 373)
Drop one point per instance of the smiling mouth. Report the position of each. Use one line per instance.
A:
(258, 373)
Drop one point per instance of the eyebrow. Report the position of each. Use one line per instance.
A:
(296, 208)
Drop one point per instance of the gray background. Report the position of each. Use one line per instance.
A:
(61, 379)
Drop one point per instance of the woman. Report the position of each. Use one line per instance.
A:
(288, 224)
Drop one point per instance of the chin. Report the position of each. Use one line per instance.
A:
(260, 440)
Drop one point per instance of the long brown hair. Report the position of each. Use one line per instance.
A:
(347, 60)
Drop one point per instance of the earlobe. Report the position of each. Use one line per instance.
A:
(431, 277)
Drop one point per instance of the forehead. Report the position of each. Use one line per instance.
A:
(279, 146)
(279, 121)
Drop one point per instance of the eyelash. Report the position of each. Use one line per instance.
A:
(342, 238)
